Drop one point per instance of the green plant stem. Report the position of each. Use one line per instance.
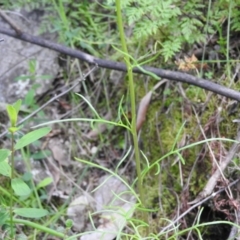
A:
(27, 163)
(39, 227)
(133, 104)
(12, 176)
(228, 40)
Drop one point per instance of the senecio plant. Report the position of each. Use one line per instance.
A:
(18, 190)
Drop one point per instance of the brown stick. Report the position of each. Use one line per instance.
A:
(171, 75)
(10, 22)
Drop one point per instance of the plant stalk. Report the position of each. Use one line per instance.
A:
(133, 104)
(39, 227)
(12, 176)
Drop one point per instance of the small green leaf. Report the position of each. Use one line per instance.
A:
(27, 176)
(4, 153)
(32, 137)
(20, 187)
(29, 99)
(5, 169)
(69, 223)
(12, 114)
(31, 212)
(13, 129)
(3, 216)
(21, 78)
(32, 66)
(17, 105)
(41, 154)
(44, 77)
(44, 182)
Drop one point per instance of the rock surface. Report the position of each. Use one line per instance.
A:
(17, 55)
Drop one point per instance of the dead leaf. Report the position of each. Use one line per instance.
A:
(190, 63)
(113, 223)
(77, 211)
(58, 151)
(117, 205)
(105, 196)
(114, 203)
(144, 103)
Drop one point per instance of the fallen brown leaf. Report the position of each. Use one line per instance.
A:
(144, 103)
(58, 151)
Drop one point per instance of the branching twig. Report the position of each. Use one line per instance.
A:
(171, 75)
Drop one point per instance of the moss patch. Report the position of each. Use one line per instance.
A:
(161, 134)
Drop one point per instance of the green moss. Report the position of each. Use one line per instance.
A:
(170, 125)
(159, 134)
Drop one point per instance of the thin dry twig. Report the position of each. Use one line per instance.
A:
(208, 189)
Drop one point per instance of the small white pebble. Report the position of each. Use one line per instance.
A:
(94, 150)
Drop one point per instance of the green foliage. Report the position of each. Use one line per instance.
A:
(32, 137)
(29, 100)
(5, 168)
(45, 182)
(69, 223)
(3, 215)
(174, 23)
(19, 187)
(28, 4)
(31, 212)
(12, 111)
(79, 24)
(168, 25)
(4, 153)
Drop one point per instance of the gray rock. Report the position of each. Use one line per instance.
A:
(16, 56)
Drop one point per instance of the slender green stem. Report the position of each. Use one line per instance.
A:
(132, 97)
(39, 227)
(228, 40)
(12, 176)
(27, 162)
